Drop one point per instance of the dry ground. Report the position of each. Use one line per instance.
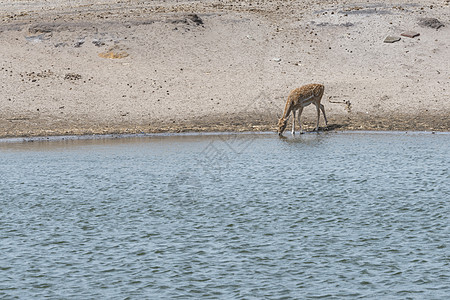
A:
(73, 67)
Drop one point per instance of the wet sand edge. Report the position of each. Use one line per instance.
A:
(357, 122)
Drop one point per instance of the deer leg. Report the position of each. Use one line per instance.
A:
(322, 108)
(300, 121)
(318, 117)
(293, 122)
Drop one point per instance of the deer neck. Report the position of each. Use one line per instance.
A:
(288, 108)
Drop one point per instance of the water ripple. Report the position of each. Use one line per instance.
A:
(318, 216)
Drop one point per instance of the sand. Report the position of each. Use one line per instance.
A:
(74, 67)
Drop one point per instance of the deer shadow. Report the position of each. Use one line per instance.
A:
(331, 127)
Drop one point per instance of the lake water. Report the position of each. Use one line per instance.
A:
(330, 215)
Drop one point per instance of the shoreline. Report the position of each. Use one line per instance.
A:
(97, 137)
(421, 123)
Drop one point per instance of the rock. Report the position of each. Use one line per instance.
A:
(391, 39)
(78, 43)
(98, 43)
(276, 59)
(431, 23)
(195, 18)
(410, 34)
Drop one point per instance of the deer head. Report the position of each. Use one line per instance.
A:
(282, 123)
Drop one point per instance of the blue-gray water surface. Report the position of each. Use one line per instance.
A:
(330, 215)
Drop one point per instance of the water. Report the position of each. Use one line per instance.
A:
(337, 215)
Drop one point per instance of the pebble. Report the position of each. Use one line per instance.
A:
(98, 43)
(410, 34)
(431, 23)
(78, 43)
(391, 39)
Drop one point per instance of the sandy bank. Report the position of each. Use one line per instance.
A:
(81, 68)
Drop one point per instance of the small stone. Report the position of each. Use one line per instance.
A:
(78, 43)
(431, 22)
(98, 43)
(276, 59)
(195, 18)
(410, 34)
(391, 39)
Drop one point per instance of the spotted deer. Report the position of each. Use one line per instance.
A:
(297, 100)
